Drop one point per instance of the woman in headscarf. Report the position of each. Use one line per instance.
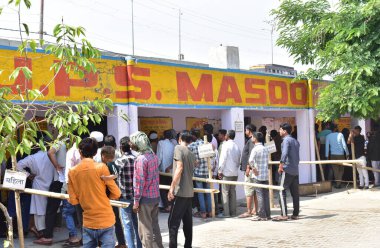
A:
(146, 190)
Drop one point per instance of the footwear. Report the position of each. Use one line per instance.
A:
(293, 217)
(35, 232)
(280, 218)
(259, 219)
(366, 187)
(360, 187)
(121, 246)
(245, 215)
(43, 241)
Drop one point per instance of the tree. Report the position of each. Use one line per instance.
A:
(341, 41)
(74, 53)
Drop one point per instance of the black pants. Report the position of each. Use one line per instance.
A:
(290, 182)
(164, 180)
(51, 209)
(118, 227)
(181, 210)
(263, 200)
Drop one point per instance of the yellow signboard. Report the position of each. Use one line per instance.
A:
(158, 124)
(152, 83)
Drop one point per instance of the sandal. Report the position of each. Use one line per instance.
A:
(245, 215)
(280, 218)
(35, 232)
(197, 215)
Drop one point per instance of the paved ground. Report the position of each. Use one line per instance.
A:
(344, 218)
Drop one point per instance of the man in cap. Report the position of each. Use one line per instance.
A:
(146, 190)
(98, 136)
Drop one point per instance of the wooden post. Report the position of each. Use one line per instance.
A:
(319, 159)
(211, 184)
(18, 209)
(271, 195)
(353, 165)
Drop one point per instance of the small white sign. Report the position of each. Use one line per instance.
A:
(206, 151)
(14, 180)
(271, 146)
(239, 126)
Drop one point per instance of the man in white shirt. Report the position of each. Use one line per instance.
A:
(99, 137)
(229, 162)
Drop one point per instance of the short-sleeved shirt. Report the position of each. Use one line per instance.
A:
(185, 185)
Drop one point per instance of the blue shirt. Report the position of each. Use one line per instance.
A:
(336, 144)
(290, 155)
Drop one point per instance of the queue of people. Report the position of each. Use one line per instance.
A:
(99, 169)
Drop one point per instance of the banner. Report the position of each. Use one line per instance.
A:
(158, 124)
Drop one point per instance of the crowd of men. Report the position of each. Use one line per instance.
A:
(98, 170)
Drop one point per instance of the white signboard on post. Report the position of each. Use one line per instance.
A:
(271, 146)
(206, 151)
(14, 180)
(239, 126)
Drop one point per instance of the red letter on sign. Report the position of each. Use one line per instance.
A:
(20, 80)
(250, 84)
(185, 88)
(224, 93)
(63, 83)
(121, 80)
(293, 93)
(283, 99)
(144, 86)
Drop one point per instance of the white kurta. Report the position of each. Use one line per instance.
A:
(39, 165)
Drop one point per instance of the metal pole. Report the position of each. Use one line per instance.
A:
(271, 40)
(179, 35)
(133, 32)
(42, 21)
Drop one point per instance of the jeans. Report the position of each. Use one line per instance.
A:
(181, 211)
(68, 212)
(201, 196)
(118, 227)
(91, 237)
(376, 165)
(129, 221)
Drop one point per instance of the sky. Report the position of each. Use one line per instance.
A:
(204, 24)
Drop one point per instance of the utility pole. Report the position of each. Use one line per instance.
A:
(42, 21)
(180, 55)
(273, 26)
(133, 32)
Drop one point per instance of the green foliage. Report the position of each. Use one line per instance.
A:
(341, 41)
(18, 123)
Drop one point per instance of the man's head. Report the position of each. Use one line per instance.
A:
(285, 129)
(249, 129)
(334, 127)
(326, 125)
(257, 137)
(208, 128)
(108, 154)
(140, 142)
(167, 134)
(263, 129)
(88, 147)
(195, 133)
(125, 145)
(98, 136)
(222, 135)
(110, 140)
(230, 135)
(273, 134)
(153, 136)
(185, 137)
(357, 130)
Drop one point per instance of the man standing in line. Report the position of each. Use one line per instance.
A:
(146, 191)
(99, 137)
(258, 161)
(374, 154)
(228, 171)
(336, 146)
(288, 170)
(201, 170)
(86, 188)
(249, 191)
(181, 192)
(209, 129)
(358, 140)
(321, 139)
(165, 151)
